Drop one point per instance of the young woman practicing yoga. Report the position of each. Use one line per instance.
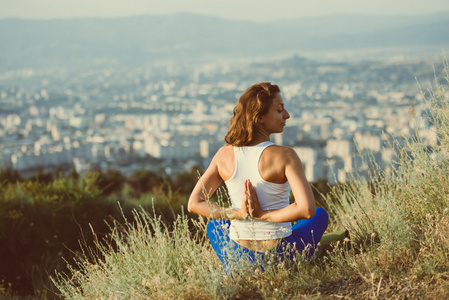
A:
(259, 176)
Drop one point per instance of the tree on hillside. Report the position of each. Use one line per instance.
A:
(10, 175)
(146, 181)
(111, 181)
(42, 176)
(185, 181)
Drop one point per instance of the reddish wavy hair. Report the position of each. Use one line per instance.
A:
(252, 104)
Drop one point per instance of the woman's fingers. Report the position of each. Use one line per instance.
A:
(250, 202)
(250, 206)
(247, 200)
(252, 197)
(254, 201)
(246, 209)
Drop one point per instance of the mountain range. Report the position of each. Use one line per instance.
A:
(139, 39)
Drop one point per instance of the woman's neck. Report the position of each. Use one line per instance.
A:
(260, 136)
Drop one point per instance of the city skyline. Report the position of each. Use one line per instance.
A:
(258, 11)
(158, 91)
(169, 119)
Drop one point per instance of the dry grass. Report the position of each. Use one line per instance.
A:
(399, 224)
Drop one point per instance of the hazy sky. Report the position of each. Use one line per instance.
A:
(255, 10)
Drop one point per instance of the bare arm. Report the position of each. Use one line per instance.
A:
(205, 187)
(304, 205)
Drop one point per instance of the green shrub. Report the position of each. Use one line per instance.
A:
(42, 222)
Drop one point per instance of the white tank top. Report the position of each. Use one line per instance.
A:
(271, 196)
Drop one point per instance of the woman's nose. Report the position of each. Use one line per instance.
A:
(286, 115)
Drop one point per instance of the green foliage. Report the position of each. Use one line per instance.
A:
(40, 223)
(145, 181)
(186, 181)
(110, 182)
(10, 175)
(42, 176)
(35, 218)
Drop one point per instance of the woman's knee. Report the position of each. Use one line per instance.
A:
(321, 220)
(322, 214)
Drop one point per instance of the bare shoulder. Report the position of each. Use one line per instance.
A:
(225, 161)
(281, 152)
(274, 161)
(224, 152)
(282, 156)
(291, 155)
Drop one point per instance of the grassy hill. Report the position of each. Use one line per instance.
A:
(399, 246)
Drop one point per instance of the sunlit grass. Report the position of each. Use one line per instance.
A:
(398, 221)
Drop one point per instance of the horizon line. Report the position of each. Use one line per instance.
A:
(220, 17)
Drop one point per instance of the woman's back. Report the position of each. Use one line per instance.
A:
(271, 163)
(271, 195)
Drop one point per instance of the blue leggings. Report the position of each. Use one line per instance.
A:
(306, 234)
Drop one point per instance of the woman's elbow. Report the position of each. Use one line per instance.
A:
(310, 212)
(190, 207)
(194, 205)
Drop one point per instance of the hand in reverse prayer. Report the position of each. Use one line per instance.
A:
(252, 201)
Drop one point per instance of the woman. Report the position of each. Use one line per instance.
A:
(258, 175)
